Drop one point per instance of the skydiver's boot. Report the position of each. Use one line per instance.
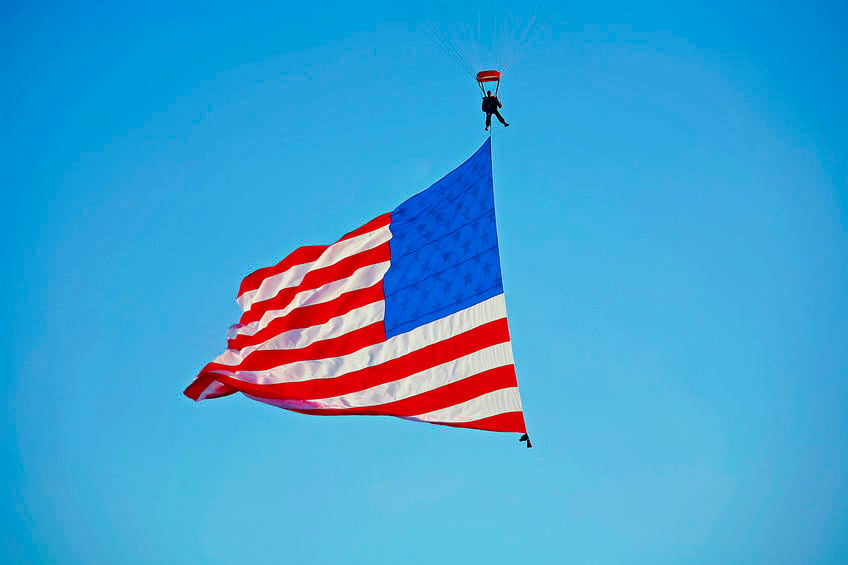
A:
(506, 125)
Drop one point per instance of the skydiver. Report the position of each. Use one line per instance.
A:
(490, 106)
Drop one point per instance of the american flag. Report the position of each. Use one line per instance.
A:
(404, 316)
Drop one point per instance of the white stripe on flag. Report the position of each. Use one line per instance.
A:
(303, 337)
(438, 330)
(213, 388)
(413, 385)
(271, 286)
(484, 406)
(365, 277)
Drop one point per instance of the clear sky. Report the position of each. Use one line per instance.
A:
(672, 205)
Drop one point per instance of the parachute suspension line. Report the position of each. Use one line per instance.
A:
(464, 34)
(445, 44)
(524, 34)
(465, 27)
(471, 40)
(448, 48)
(501, 39)
(492, 40)
(525, 40)
(450, 51)
(479, 39)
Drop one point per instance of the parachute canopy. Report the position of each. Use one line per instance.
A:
(489, 76)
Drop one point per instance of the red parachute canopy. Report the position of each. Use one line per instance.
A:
(489, 76)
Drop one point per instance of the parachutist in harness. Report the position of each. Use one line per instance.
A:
(490, 106)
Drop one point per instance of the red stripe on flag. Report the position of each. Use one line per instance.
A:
(202, 382)
(506, 422)
(313, 315)
(306, 254)
(375, 224)
(318, 278)
(263, 359)
(486, 335)
(436, 399)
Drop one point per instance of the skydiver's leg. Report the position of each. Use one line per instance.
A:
(498, 114)
(488, 120)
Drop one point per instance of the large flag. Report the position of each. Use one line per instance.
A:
(404, 317)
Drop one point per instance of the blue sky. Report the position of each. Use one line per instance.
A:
(672, 204)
